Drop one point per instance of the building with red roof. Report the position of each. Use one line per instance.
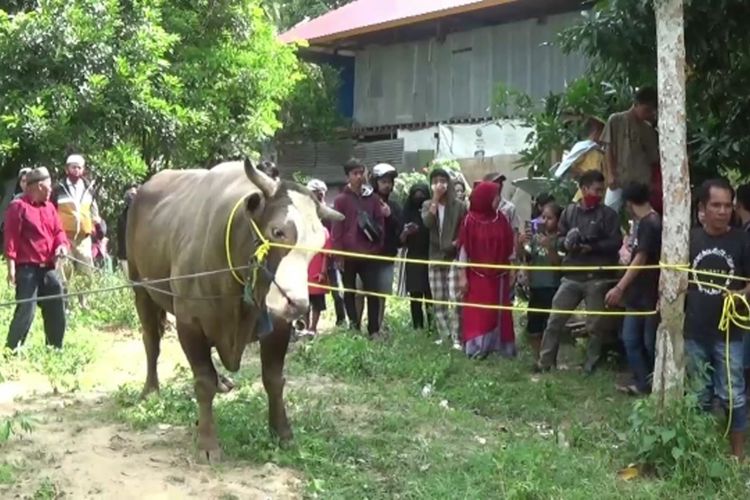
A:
(411, 68)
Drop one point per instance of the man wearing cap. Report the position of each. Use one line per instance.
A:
(34, 239)
(319, 189)
(74, 198)
(383, 180)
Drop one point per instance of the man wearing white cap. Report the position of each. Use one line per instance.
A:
(74, 198)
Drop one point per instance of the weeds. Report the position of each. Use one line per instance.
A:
(14, 425)
(680, 441)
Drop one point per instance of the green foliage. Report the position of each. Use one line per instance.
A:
(47, 490)
(619, 38)
(559, 121)
(406, 418)
(7, 473)
(287, 13)
(14, 425)
(311, 113)
(138, 86)
(680, 441)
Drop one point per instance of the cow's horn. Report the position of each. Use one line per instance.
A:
(330, 214)
(266, 185)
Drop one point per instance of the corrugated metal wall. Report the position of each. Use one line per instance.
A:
(430, 81)
(325, 160)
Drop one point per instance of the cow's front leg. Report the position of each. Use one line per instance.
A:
(272, 353)
(198, 351)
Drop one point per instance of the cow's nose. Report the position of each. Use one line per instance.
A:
(297, 307)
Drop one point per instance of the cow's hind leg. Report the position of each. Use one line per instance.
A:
(152, 320)
(272, 353)
(198, 352)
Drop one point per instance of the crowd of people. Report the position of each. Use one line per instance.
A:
(576, 250)
(451, 234)
(51, 233)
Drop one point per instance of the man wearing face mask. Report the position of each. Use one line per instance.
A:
(590, 236)
(442, 216)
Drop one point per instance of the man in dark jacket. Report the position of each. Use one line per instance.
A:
(382, 180)
(590, 236)
(360, 232)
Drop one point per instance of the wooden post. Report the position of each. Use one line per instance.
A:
(670, 359)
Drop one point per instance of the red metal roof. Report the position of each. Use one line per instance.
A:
(367, 16)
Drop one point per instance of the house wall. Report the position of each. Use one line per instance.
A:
(432, 81)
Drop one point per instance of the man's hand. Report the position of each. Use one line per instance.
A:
(11, 273)
(524, 238)
(463, 283)
(614, 297)
(584, 249)
(385, 209)
(61, 252)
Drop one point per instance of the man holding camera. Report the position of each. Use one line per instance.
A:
(361, 232)
(590, 236)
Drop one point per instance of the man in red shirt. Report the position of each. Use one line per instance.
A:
(34, 240)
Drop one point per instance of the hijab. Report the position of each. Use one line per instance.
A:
(486, 235)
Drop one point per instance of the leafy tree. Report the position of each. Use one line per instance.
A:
(138, 86)
(287, 13)
(619, 39)
(311, 112)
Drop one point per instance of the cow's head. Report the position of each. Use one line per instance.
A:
(289, 214)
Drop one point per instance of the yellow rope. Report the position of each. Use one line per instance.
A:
(729, 316)
(260, 253)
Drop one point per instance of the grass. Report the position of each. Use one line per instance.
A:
(406, 418)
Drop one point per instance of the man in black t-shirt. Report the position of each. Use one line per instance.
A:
(718, 248)
(742, 209)
(638, 289)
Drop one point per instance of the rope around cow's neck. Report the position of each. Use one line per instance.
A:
(260, 253)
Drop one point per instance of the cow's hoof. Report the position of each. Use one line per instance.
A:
(224, 384)
(148, 390)
(212, 456)
(284, 435)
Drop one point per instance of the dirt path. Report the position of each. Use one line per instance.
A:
(74, 454)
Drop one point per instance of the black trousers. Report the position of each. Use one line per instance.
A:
(420, 311)
(33, 281)
(368, 273)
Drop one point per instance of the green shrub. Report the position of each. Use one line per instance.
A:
(679, 441)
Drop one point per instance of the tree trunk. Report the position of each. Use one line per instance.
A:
(670, 358)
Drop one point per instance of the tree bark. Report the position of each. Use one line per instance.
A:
(670, 359)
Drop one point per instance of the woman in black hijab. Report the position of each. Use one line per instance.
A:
(416, 239)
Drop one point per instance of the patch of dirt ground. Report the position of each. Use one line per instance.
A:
(78, 455)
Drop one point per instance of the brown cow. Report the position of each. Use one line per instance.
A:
(176, 227)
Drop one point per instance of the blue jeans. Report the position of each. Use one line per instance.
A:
(707, 364)
(746, 339)
(639, 338)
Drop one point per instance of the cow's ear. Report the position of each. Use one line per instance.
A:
(254, 203)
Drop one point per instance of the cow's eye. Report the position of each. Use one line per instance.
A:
(277, 233)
